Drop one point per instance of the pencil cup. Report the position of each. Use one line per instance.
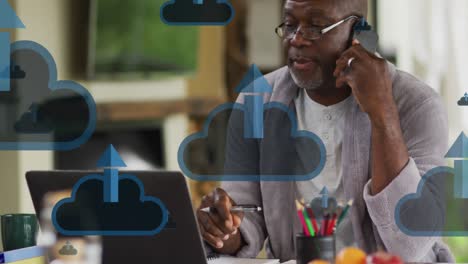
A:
(314, 248)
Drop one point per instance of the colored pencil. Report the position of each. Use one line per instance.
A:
(345, 211)
(331, 227)
(302, 219)
(314, 221)
(323, 227)
(303, 222)
(311, 215)
(308, 222)
(329, 222)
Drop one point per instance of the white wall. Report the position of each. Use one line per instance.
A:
(429, 38)
(393, 30)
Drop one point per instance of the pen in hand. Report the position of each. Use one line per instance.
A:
(246, 208)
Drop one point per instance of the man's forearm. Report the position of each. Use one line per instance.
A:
(389, 153)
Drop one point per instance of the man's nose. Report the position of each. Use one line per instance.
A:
(298, 40)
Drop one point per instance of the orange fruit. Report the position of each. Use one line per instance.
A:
(351, 255)
(319, 262)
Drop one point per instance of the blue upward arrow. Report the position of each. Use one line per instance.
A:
(110, 160)
(253, 82)
(324, 194)
(459, 149)
(8, 19)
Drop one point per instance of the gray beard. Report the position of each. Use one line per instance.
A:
(306, 85)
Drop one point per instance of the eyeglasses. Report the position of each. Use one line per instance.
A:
(286, 31)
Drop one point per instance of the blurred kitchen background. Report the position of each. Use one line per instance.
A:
(155, 84)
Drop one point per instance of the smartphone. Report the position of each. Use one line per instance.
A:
(368, 38)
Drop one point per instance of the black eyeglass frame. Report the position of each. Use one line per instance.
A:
(312, 30)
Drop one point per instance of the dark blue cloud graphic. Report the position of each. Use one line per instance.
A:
(86, 213)
(68, 250)
(440, 199)
(65, 115)
(434, 210)
(463, 101)
(197, 12)
(293, 155)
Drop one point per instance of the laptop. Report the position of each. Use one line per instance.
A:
(179, 242)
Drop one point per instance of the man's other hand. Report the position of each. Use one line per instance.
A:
(220, 229)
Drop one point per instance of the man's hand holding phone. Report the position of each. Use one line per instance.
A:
(369, 78)
(220, 229)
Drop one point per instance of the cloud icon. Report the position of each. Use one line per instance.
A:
(197, 12)
(293, 155)
(435, 209)
(68, 250)
(442, 193)
(463, 101)
(86, 213)
(64, 115)
(426, 212)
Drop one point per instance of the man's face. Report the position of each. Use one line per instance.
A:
(312, 62)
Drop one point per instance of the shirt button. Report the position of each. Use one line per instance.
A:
(328, 117)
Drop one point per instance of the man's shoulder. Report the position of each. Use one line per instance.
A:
(276, 79)
(284, 89)
(277, 75)
(410, 93)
